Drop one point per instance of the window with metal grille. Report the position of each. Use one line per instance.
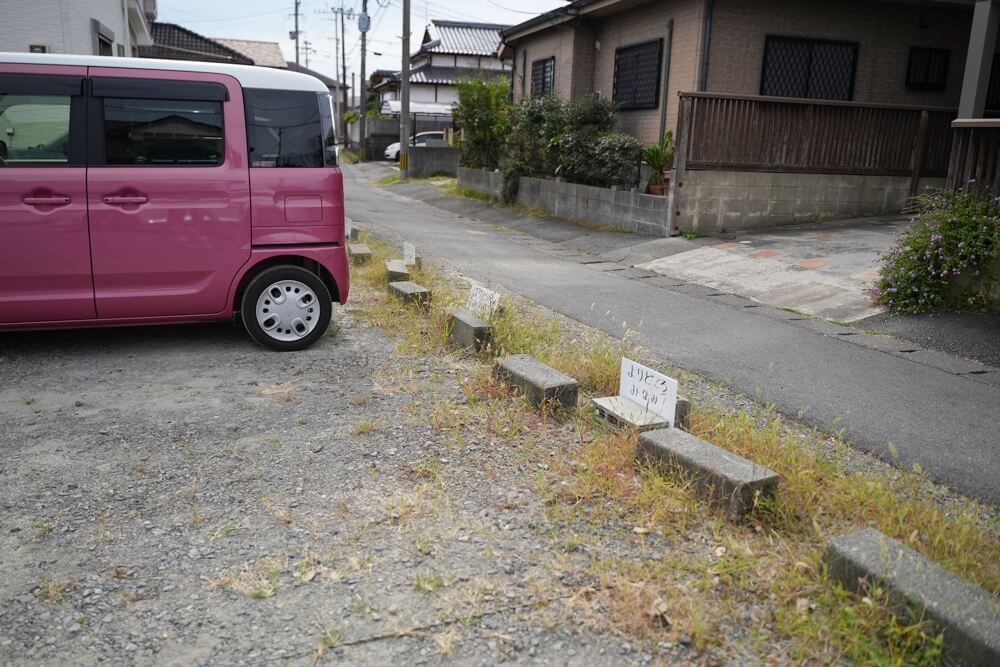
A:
(927, 69)
(813, 68)
(637, 75)
(543, 76)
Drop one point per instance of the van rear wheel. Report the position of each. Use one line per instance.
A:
(286, 308)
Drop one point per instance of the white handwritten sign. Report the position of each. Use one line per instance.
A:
(409, 254)
(652, 391)
(348, 224)
(483, 302)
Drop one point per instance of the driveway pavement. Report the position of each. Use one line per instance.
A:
(823, 270)
(889, 397)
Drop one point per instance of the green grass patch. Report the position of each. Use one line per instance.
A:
(388, 179)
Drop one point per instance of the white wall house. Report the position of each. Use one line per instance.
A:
(90, 27)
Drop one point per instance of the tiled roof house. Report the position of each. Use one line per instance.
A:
(264, 54)
(173, 42)
(449, 51)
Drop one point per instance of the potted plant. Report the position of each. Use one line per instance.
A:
(660, 157)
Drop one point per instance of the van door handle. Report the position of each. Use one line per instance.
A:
(122, 200)
(56, 200)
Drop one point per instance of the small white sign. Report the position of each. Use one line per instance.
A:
(348, 223)
(483, 302)
(652, 391)
(409, 254)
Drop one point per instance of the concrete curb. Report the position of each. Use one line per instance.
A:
(540, 383)
(729, 481)
(968, 616)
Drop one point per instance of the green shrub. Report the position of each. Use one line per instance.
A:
(483, 114)
(601, 160)
(572, 140)
(949, 258)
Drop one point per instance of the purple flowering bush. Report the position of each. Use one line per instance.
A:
(948, 259)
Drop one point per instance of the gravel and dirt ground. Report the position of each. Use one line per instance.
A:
(178, 495)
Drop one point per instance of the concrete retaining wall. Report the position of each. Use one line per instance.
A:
(600, 206)
(433, 160)
(481, 180)
(716, 201)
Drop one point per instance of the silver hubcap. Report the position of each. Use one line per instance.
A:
(287, 310)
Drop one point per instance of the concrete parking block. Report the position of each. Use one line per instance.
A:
(397, 270)
(360, 253)
(408, 291)
(540, 383)
(728, 480)
(967, 616)
(622, 413)
(466, 331)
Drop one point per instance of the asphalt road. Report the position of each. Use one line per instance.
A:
(948, 424)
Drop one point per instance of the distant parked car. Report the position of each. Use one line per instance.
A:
(422, 139)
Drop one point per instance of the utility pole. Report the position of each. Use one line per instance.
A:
(307, 49)
(297, 3)
(363, 25)
(343, 67)
(404, 97)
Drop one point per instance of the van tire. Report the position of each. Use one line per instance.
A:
(286, 277)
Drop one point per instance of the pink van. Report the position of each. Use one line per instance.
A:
(140, 191)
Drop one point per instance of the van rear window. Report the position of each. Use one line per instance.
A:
(287, 128)
(162, 132)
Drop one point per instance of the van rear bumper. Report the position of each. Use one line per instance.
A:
(332, 258)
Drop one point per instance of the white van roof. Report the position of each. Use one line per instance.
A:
(248, 75)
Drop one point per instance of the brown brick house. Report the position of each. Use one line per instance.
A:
(879, 51)
(784, 110)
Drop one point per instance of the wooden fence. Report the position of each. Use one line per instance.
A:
(975, 154)
(777, 134)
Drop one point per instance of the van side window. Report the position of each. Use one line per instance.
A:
(287, 128)
(162, 132)
(34, 130)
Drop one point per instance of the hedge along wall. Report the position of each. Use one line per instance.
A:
(646, 214)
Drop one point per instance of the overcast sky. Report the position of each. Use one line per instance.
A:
(271, 20)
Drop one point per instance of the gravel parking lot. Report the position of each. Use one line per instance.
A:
(177, 495)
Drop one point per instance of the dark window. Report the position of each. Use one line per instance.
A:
(162, 132)
(810, 68)
(993, 91)
(637, 75)
(121, 50)
(34, 130)
(288, 129)
(38, 48)
(543, 76)
(104, 47)
(927, 69)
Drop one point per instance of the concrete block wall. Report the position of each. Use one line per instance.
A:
(433, 160)
(630, 210)
(481, 180)
(722, 201)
